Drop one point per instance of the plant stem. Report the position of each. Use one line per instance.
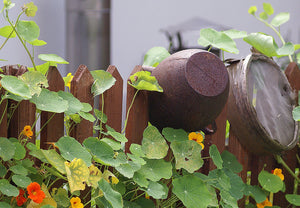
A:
(271, 197)
(102, 109)
(45, 124)
(281, 161)
(5, 109)
(131, 104)
(24, 45)
(277, 33)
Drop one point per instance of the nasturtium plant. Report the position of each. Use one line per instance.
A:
(143, 80)
(53, 58)
(270, 182)
(35, 81)
(7, 32)
(30, 9)
(213, 38)
(16, 86)
(154, 56)
(28, 30)
(103, 81)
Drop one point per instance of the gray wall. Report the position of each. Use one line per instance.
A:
(136, 24)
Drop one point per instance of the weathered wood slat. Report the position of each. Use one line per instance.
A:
(81, 88)
(138, 115)
(54, 129)
(113, 101)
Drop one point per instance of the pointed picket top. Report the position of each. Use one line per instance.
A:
(81, 89)
(56, 83)
(113, 100)
(138, 115)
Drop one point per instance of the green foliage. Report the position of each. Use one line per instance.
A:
(155, 55)
(28, 30)
(7, 32)
(270, 182)
(143, 80)
(103, 81)
(296, 113)
(211, 37)
(293, 199)
(53, 58)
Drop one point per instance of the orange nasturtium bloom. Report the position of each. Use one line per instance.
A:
(20, 198)
(35, 193)
(197, 137)
(265, 203)
(76, 202)
(278, 172)
(27, 131)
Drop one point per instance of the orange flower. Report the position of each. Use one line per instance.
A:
(265, 203)
(35, 193)
(27, 131)
(20, 198)
(147, 196)
(197, 137)
(278, 172)
(76, 202)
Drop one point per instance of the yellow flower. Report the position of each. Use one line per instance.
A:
(197, 137)
(68, 80)
(76, 203)
(265, 203)
(27, 131)
(114, 180)
(278, 172)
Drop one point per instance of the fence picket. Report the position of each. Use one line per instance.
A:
(54, 129)
(81, 89)
(113, 101)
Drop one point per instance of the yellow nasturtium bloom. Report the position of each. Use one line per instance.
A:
(265, 203)
(68, 80)
(278, 172)
(76, 202)
(197, 137)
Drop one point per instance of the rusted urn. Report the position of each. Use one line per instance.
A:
(260, 106)
(196, 86)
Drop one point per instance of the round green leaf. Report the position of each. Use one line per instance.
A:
(172, 135)
(37, 42)
(154, 170)
(21, 180)
(140, 179)
(153, 144)
(87, 116)
(74, 105)
(112, 143)
(52, 58)
(117, 136)
(219, 179)
(101, 151)
(28, 30)
(136, 149)
(296, 113)
(263, 15)
(7, 189)
(15, 86)
(143, 80)
(49, 101)
(256, 192)
(230, 162)
(268, 8)
(286, 49)
(252, 10)
(192, 191)
(7, 31)
(55, 160)
(270, 182)
(19, 169)
(235, 34)
(128, 169)
(103, 81)
(4, 205)
(7, 149)
(293, 199)
(70, 149)
(100, 115)
(43, 68)
(263, 43)
(20, 151)
(215, 155)
(155, 55)
(156, 190)
(280, 19)
(211, 37)
(35, 81)
(86, 107)
(112, 196)
(3, 170)
(187, 155)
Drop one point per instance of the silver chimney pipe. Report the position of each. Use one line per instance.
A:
(88, 34)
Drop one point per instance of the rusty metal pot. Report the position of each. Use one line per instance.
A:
(196, 86)
(260, 106)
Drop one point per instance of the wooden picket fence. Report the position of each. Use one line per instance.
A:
(137, 122)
